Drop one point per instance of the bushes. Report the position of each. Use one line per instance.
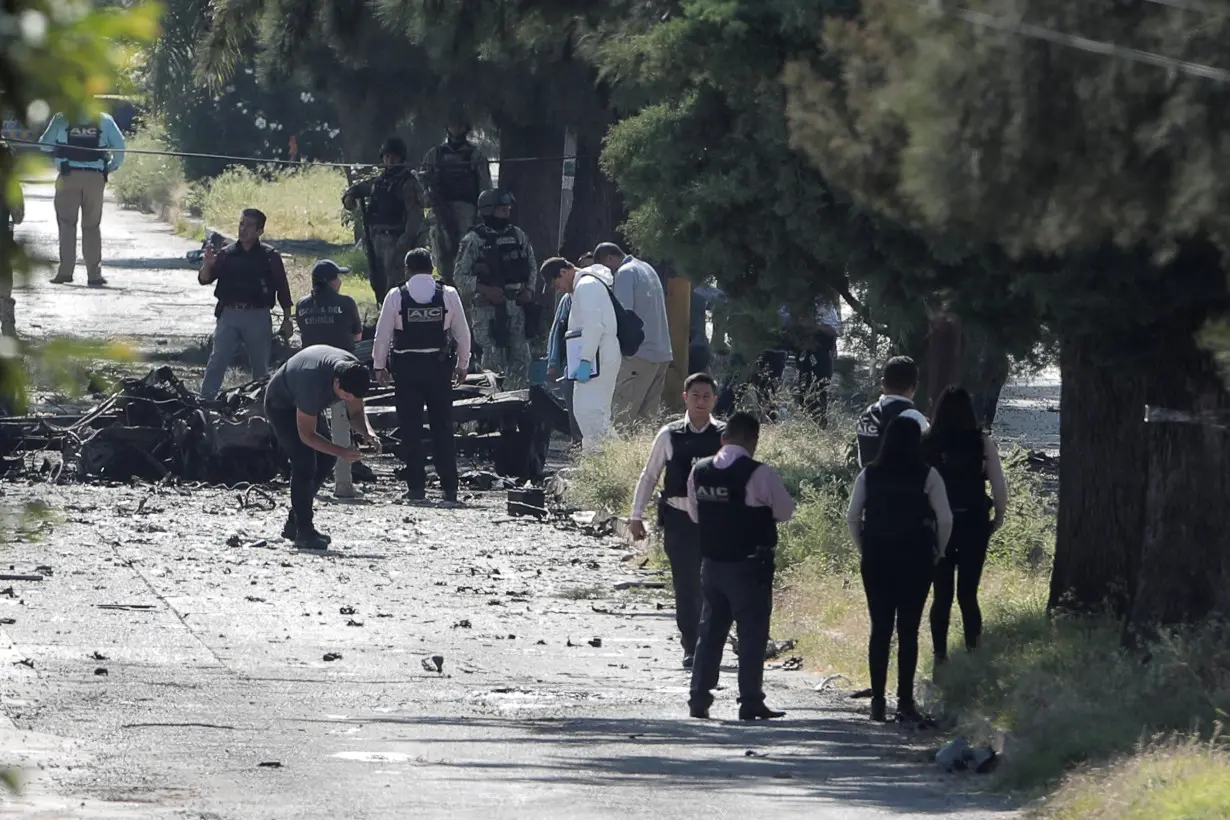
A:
(148, 182)
(298, 203)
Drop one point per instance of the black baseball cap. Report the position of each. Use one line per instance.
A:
(326, 270)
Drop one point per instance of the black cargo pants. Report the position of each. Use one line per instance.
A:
(681, 539)
(426, 380)
(309, 468)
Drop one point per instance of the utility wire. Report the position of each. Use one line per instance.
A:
(1037, 32)
(289, 162)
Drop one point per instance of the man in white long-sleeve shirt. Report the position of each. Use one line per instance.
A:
(595, 359)
(416, 320)
(677, 447)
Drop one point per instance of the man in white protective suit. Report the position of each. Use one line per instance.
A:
(592, 354)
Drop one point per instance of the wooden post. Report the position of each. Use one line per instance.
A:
(679, 316)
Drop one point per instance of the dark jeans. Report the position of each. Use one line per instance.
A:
(682, 542)
(426, 379)
(964, 557)
(309, 468)
(735, 592)
(896, 587)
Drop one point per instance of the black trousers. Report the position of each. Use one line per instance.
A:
(681, 537)
(309, 468)
(896, 584)
(735, 592)
(964, 558)
(426, 380)
(815, 373)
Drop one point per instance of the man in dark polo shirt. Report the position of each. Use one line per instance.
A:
(298, 394)
(327, 317)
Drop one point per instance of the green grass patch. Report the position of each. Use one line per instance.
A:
(149, 182)
(298, 203)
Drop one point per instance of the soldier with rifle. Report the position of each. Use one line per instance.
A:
(497, 275)
(393, 216)
(454, 172)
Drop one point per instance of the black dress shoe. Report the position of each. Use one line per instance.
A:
(699, 712)
(879, 710)
(759, 712)
(688, 660)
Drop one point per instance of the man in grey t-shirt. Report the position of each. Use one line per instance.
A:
(295, 400)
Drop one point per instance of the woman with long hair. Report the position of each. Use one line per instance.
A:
(900, 520)
(967, 459)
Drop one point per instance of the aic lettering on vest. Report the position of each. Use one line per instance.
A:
(730, 530)
(456, 175)
(388, 208)
(508, 263)
(82, 144)
(245, 277)
(713, 493)
(687, 448)
(422, 325)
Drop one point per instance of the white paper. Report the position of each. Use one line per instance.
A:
(572, 349)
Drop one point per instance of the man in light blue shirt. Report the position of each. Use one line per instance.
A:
(642, 377)
(86, 152)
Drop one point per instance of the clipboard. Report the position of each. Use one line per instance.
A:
(572, 350)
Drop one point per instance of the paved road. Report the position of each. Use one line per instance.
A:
(216, 665)
(164, 666)
(151, 297)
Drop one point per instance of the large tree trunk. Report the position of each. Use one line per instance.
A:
(535, 182)
(1101, 477)
(1185, 551)
(597, 208)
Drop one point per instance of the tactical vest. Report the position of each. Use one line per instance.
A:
(456, 177)
(897, 518)
(324, 320)
(729, 529)
(82, 145)
(507, 260)
(873, 422)
(422, 325)
(961, 462)
(388, 202)
(246, 277)
(687, 448)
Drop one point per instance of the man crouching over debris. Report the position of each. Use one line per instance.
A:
(296, 399)
(737, 501)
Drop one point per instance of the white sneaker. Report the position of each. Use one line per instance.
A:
(348, 492)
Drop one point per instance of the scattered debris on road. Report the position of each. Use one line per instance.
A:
(434, 663)
(958, 756)
(270, 764)
(332, 656)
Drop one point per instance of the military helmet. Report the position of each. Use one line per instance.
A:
(395, 146)
(493, 198)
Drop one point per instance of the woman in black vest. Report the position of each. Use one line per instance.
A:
(900, 521)
(966, 459)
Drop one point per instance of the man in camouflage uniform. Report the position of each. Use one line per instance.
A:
(454, 172)
(497, 277)
(395, 215)
(9, 216)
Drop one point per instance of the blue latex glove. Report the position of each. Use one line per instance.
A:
(583, 371)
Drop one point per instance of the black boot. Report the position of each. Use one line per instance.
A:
(879, 709)
(759, 711)
(907, 712)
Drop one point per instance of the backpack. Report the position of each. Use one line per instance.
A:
(629, 328)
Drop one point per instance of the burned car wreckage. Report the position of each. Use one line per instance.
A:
(154, 427)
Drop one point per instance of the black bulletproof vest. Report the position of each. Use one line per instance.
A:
(245, 277)
(897, 517)
(422, 325)
(687, 448)
(960, 461)
(508, 262)
(871, 425)
(388, 207)
(729, 529)
(324, 320)
(82, 145)
(455, 173)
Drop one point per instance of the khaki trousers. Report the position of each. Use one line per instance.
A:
(638, 394)
(80, 192)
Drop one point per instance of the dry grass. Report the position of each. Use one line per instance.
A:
(1176, 780)
(148, 182)
(299, 203)
(1063, 689)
